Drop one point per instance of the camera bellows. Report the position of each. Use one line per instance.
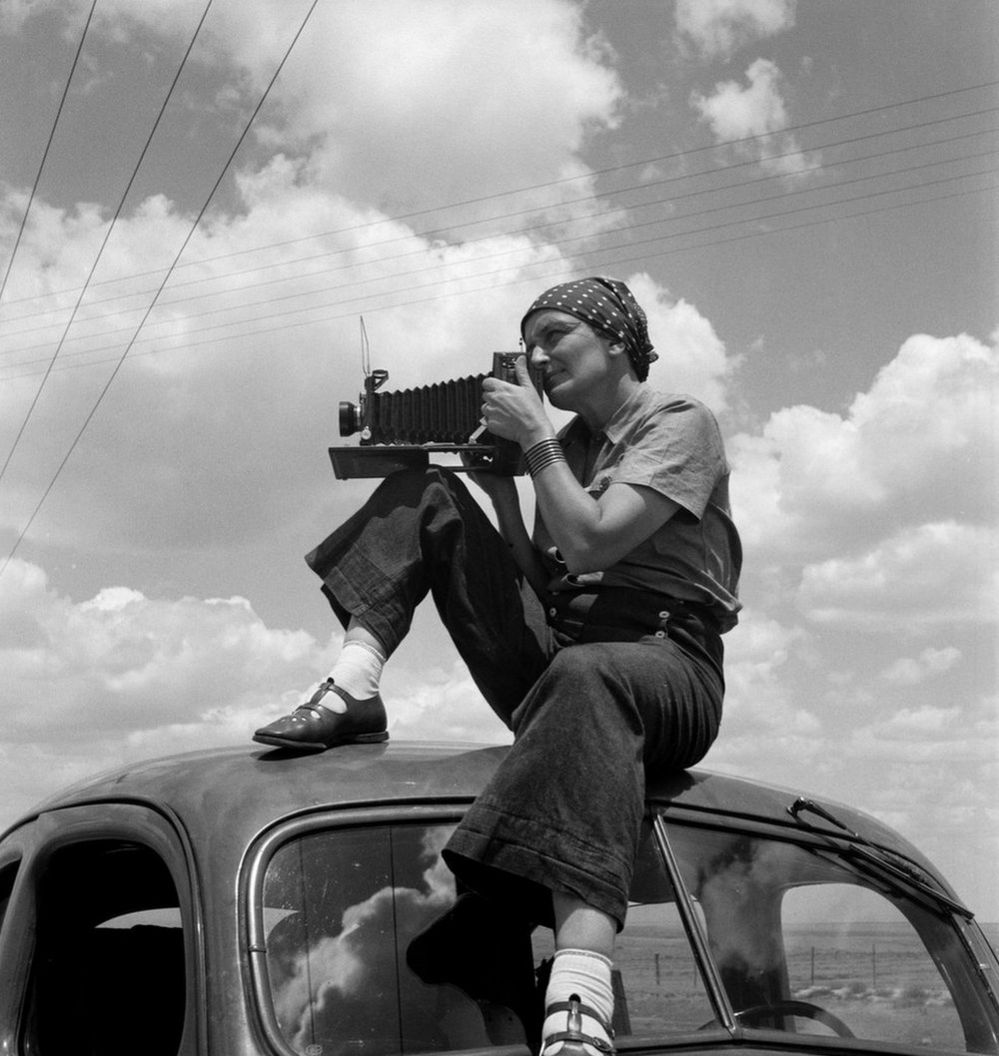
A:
(446, 412)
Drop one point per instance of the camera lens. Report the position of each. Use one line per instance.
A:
(350, 418)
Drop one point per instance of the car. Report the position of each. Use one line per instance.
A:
(239, 901)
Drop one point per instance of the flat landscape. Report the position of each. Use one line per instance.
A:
(876, 978)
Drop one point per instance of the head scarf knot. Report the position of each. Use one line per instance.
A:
(608, 306)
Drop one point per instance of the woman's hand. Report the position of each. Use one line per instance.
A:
(498, 486)
(502, 491)
(515, 412)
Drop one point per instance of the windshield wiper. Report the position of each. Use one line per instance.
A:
(891, 867)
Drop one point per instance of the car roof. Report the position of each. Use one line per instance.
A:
(252, 789)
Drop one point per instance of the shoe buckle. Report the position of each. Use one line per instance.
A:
(574, 1022)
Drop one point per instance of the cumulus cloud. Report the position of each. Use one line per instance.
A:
(919, 447)
(911, 670)
(765, 723)
(121, 676)
(525, 83)
(523, 87)
(755, 112)
(247, 367)
(930, 734)
(717, 28)
(933, 573)
(441, 702)
(120, 671)
(929, 771)
(123, 662)
(692, 358)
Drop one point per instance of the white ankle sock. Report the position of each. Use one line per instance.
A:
(358, 670)
(588, 976)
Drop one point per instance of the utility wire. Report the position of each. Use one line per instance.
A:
(45, 153)
(562, 268)
(100, 251)
(197, 220)
(421, 250)
(676, 155)
(623, 230)
(735, 185)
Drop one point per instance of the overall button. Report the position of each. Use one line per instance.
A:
(660, 634)
(553, 611)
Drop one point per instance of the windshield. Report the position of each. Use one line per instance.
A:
(358, 960)
(806, 943)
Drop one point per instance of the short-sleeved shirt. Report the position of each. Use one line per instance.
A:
(672, 444)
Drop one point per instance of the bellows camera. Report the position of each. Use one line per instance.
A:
(402, 429)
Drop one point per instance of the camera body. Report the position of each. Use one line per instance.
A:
(401, 429)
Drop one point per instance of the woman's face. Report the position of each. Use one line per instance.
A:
(575, 359)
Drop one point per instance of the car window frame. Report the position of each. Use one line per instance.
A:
(253, 873)
(13, 967)
(838, 845)
(136, 822)
(260, 852)
(661, 814)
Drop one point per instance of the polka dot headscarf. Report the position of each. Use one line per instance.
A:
(608, 306)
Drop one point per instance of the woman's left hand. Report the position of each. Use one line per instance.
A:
(515, 412)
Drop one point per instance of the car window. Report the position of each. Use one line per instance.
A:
(807, 944)
(108, 967)
(658, 988)
(351, 966)
(340, 909)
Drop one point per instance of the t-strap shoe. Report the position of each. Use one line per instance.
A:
(313, 727)
(573, 1041)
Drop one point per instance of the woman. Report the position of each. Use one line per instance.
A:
(606, 665)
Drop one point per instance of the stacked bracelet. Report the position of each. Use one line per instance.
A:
(543, 454)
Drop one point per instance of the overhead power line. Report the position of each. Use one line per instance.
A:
(121, 359)
(602, 215)
(600, 261)
(739, 207)
(104, 242)
(547, 273)
(645, 162)
(45, 152)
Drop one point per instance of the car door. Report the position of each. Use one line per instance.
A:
(98, 949)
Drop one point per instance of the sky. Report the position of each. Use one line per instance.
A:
(801, 193)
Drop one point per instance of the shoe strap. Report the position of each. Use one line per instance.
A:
(576, 1010)
(574, 1035)
(583, 1010)
(314, 703)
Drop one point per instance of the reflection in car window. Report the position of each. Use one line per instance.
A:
(351, 901)
(342, 907)
(807, 945)
(802, 943)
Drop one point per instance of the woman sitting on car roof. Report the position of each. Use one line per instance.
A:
(596, 639)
